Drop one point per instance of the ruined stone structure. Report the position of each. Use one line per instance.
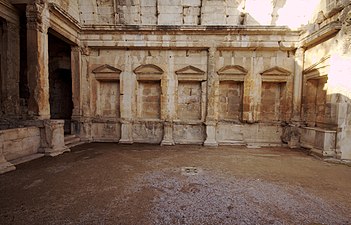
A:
(211, 72)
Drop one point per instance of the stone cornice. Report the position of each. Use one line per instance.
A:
(8, 12)
(58, 11)
(324, 33)
(189, 29)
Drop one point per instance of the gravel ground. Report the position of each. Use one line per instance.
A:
(146, 184)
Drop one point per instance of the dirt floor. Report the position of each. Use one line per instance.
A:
(147, 184)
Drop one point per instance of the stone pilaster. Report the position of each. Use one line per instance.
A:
(37, 61)
(76, 77)
(84, 116)
(168, 113)
(52, 138)
(127, 92)
(298, 82)
(212, 94)
(10, 71)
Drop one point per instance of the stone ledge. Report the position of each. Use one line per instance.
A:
(26, 159)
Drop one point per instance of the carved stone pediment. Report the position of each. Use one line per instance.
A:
(275, 74)
(148, 69)
(232, 72)
(106, 73)
(191, 73)
(190, 70)
(276, 71)
(148, 72)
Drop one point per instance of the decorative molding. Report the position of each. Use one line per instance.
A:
(275, 74)
(191, 70)
(106, 73)
(191, 73)
(317, 70)
(9, 13)
(36, 17)
(232, 72)
(148, 69)
(276, 71)
(148, 72)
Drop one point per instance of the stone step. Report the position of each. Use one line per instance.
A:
(71, 145)
(26, 158)
(72, 140)
(69, 137)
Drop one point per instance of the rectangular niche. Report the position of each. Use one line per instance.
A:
(189, 100)
(108, 103)
(315, 100)
(230, 100)
(272, 100)
(108, 91)
(149, 99)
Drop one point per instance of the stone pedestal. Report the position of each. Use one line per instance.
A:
(319, 141)
(4, 165)
(291, 136)
(167, 134)
(52, 137)
(211, 135)
(126, 133)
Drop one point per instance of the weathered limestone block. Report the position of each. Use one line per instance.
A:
(230, 133)
(5, 166)
(106, 131)
(20, 142)
(257, 135)
(189, 133)
(319, 141)
(325, 142)
(148, 132)
(52, 138)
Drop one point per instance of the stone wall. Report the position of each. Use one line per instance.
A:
(201, 12)
(69, 6)
(195, 72)
(146, 89)
(20, 142)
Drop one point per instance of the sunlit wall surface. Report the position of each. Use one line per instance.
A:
(291, 13)
(339, 77)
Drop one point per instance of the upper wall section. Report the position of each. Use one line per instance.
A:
(291, 13)
(99, 12)
(70, 6)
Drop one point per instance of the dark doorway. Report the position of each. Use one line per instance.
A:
(60, 81)
(1, 59)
